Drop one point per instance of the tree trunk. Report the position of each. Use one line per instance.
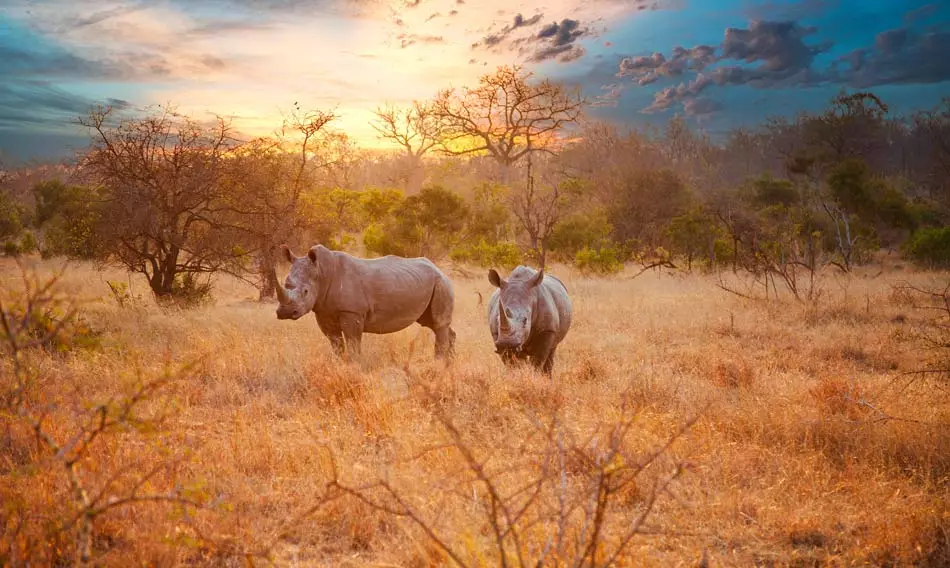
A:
(266, 265)
(417, 176)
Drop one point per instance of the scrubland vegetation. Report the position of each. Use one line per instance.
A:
(756, 373)
(702, 424)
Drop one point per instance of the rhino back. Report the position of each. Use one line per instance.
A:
(391, 292)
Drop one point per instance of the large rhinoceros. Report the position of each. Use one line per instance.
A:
(351, 296)
(528, 315)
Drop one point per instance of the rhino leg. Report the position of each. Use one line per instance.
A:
(444, 343)
(548, 367)
(345, 338)
(542, 352)
(438, 318)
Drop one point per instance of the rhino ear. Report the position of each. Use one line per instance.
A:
(285, 250)
(537, 279)
(312, 253)
(495, 279)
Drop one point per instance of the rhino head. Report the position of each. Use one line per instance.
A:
(298, 294)
(516, 299)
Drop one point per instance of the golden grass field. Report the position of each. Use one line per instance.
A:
(809, 447)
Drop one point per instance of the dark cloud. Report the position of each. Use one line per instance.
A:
(899, 56)
(681, 93)
(774, 53)
(778, 47)
(647, 69)
(555, 41)
(39, 120)
(496, 38)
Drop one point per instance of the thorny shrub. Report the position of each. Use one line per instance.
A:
(67, 465)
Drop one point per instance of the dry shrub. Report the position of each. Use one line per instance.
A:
(335, 382)
(807, 534)
(911, 538)
(732, 374)
(857, 356)
(840, 313)
(834, 396)
(589, 368)
(535, 391)
(351, 525)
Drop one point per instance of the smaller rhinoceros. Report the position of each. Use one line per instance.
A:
(528, 315)
(352, 296)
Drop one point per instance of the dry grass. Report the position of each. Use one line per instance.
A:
(809, 449)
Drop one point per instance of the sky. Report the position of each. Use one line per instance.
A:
(718, 63)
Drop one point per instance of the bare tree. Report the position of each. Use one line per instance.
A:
(416, 130)
(266, 184)
(538, 209)
(506, 115)
(933, 126)
(164, 210)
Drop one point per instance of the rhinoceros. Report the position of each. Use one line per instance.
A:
(528, 315)
(351, 296)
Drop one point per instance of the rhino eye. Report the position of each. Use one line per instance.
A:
(305, 291)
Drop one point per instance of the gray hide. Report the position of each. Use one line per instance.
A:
(528, 315)
(351, 296)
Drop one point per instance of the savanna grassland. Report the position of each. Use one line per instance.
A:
(706, 426)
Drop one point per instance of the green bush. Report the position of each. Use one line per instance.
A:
(11, 248)
(488, 255)
(382, 240)
(426, 224)
(603, 260)
(378, 204)
(577, 232)
(929, 247)
(692, 235)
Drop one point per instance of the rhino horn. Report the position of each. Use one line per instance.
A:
(502, 317)
(281, 292)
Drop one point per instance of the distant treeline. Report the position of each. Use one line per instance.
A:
(489, 176)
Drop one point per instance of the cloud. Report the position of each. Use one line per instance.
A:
(647, 69)
(922, 13)
(774, 54)
(555, 41)
(682, 93)
(610, 98)
(496, 38)
(701, 106)
(899, 56)
(405, 40)
(778, 47)
(41, 104)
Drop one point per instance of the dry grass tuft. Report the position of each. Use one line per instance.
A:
(732, 374)
(834, 396)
